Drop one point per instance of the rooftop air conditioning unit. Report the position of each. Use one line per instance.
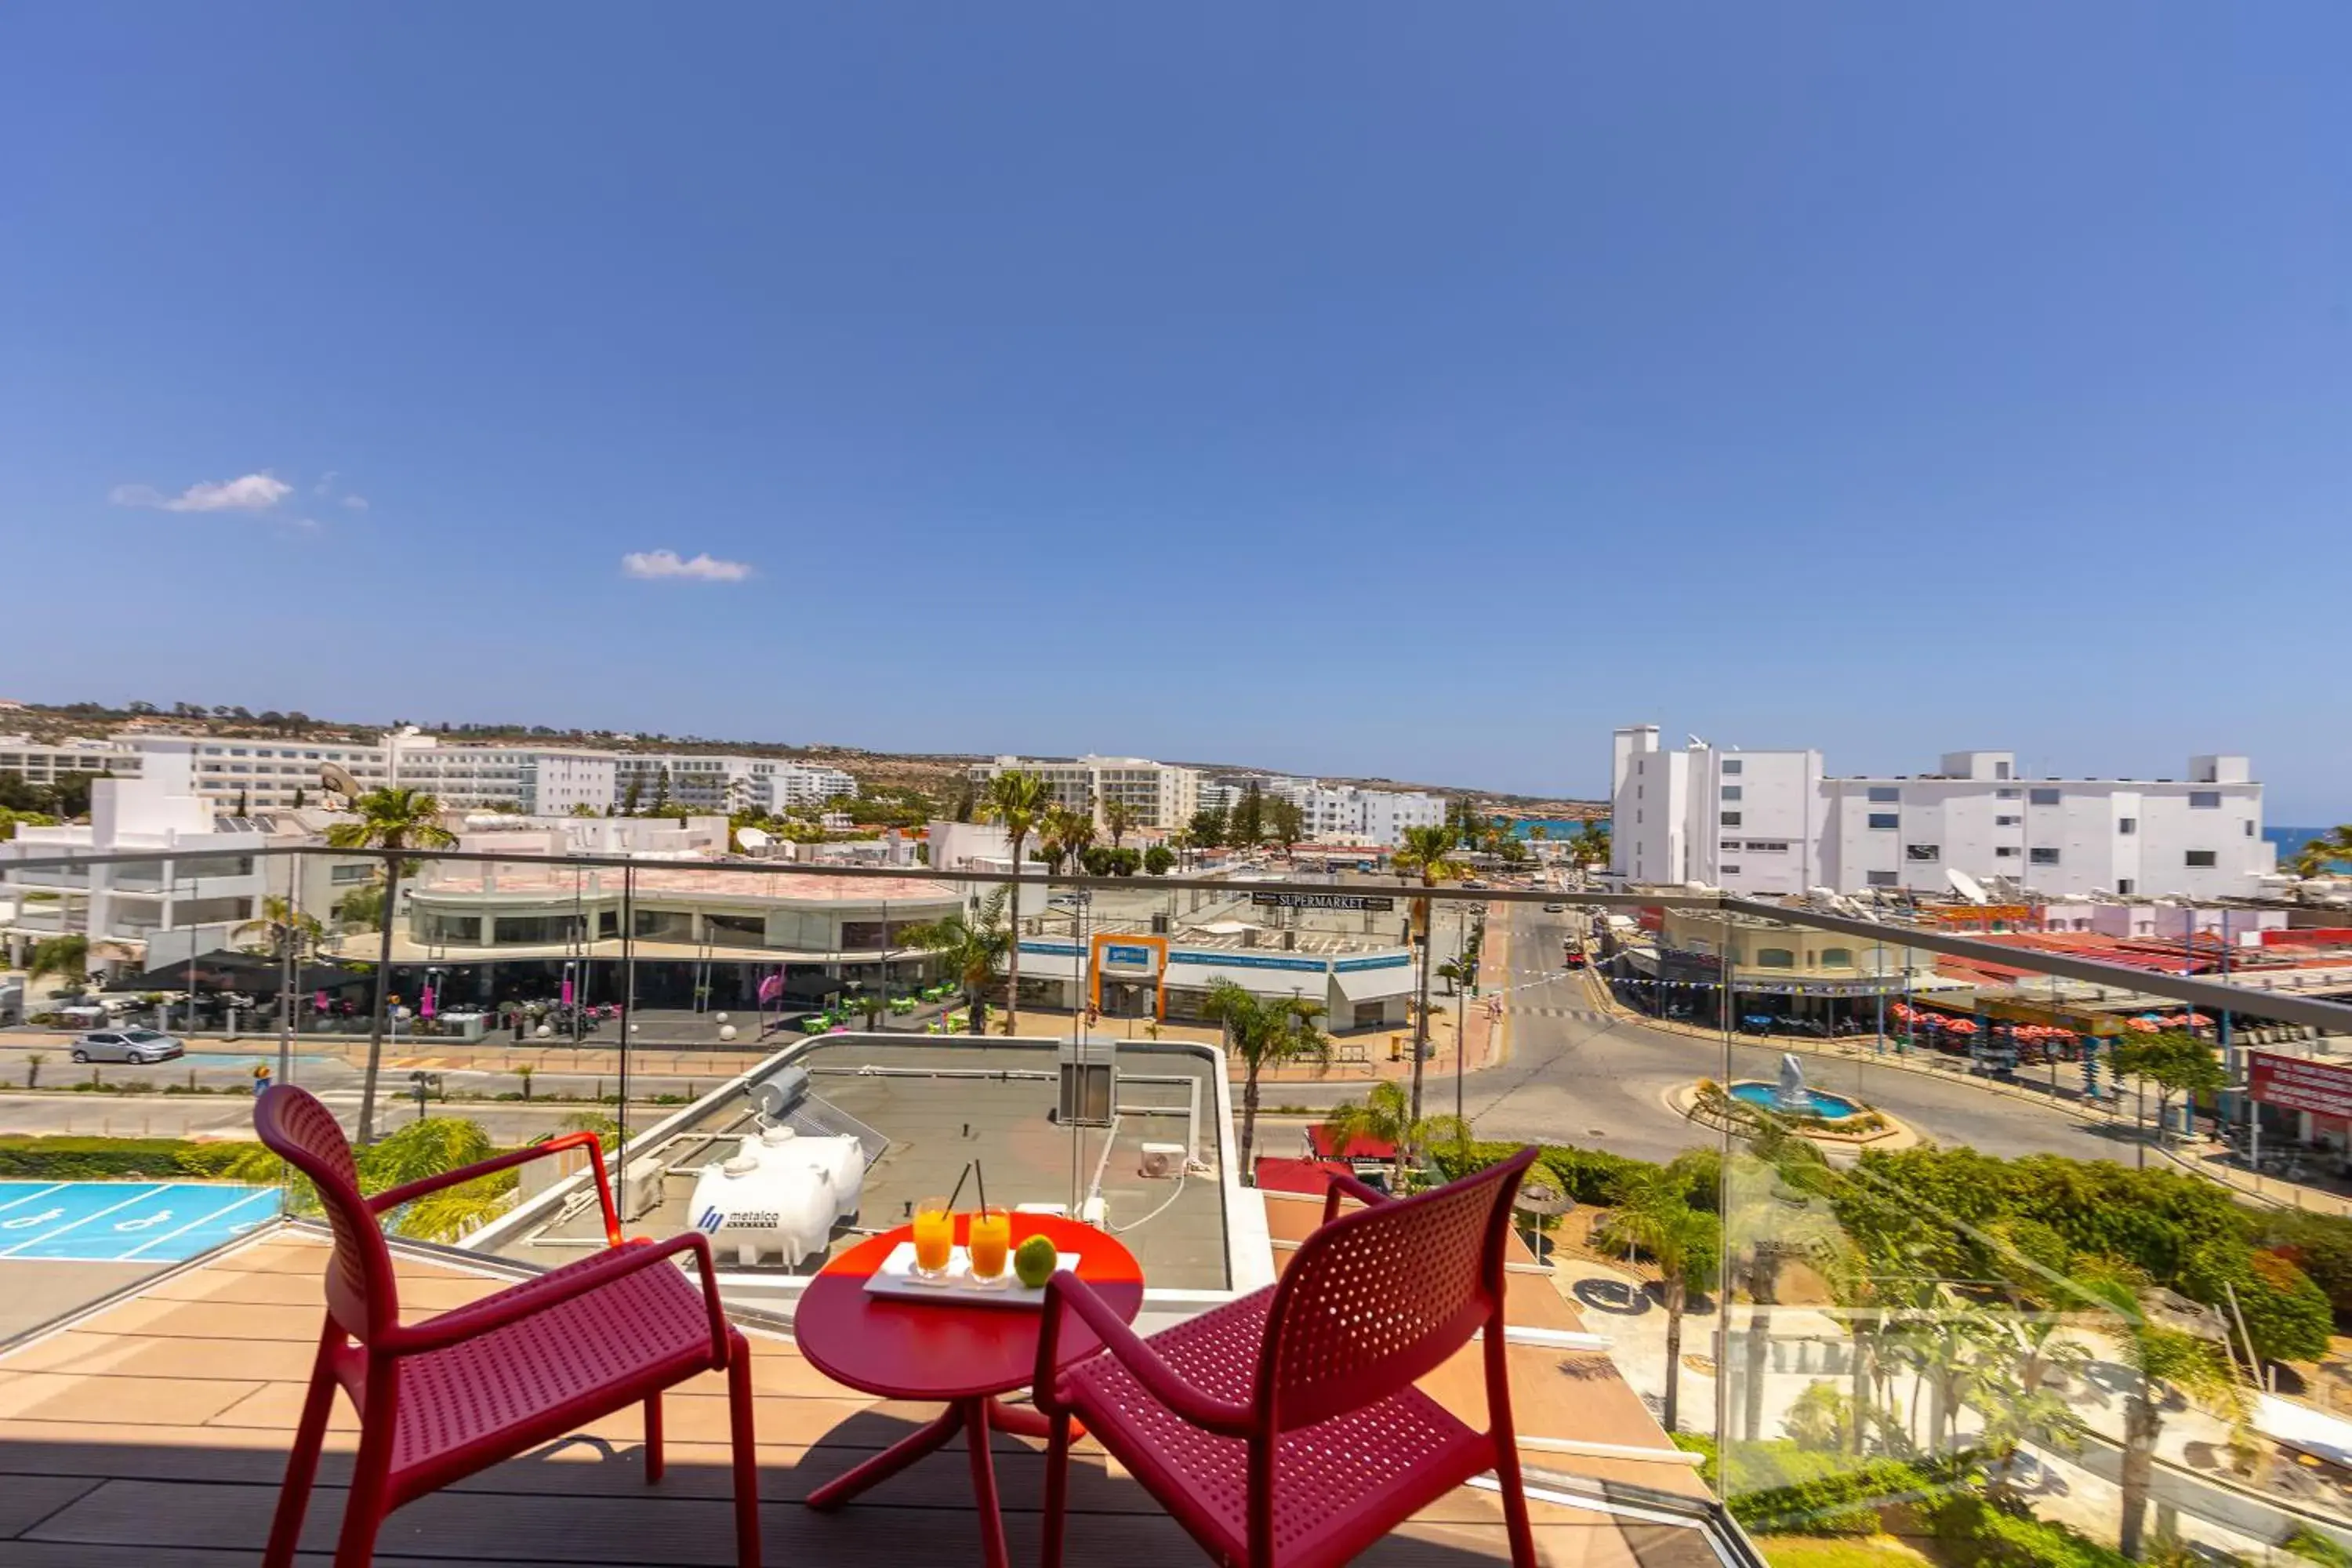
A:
(1162, 1161)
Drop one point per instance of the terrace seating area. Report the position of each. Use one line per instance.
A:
(153, 1431)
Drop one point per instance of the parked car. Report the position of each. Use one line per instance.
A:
(138, 1047)
(1555, 909)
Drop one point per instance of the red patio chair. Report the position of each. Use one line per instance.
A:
(441, 1399)
(1284, 1430)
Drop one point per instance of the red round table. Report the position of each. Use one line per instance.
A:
(946, 1349)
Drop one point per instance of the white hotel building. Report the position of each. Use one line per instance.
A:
(265, 773)
(1159, 794)
(1771, 822)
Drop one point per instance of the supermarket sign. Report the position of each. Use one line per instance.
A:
(2293, 1083)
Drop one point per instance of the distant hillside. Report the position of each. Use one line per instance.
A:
(938, 774)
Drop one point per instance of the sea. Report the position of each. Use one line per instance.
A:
(1553, 827)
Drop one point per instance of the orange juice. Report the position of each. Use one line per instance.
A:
(990, 1238)
(934, 1235)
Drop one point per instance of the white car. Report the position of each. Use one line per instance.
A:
(138, 1047)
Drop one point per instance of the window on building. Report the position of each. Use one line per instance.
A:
(1837, 958)
(1884, 878)
(1923, 851)
(1731, 819)
(344, 876)
(1731, 847)
(1775, 958)
(1884, 795)
(2041, 797)
(2043, 857)
(1886, 820)
(1730, 871)
(2249, 828)
(1768, 846)
(2124, 885)
(2204, 800)
(2007, 821)
(536, 929)
(1731, 792)
(2127, 824)
(1731, 765)
(2001, 770)
(2004, 794)
(735, 931)
(2205, 857)
(2005, 851)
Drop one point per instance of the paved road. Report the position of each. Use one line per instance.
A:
(1577, 1075)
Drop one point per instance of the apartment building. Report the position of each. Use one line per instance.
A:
(1343, 811)
(548, 781)
(1773, 821)
(46, 763)
(1157, 794)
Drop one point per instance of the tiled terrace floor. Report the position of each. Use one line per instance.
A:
(153, 1435)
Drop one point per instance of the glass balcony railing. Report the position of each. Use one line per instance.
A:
(2027, 1242)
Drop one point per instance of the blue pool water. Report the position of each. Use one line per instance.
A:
(126, 1222)
(1828, 1107)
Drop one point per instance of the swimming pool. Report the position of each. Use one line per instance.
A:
(126, 1222)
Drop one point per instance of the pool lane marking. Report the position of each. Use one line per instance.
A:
(28, 1197)
(252, 1196)
(78, 1224)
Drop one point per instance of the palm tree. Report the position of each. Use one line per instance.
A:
(2167, 1361)
(395, 819)
(1264, 1032)
(1385, 1117)
(279, 927)
(2319, 855)
(1064, 835)
(1456, 972)
(66, 957)
(1654, 1216)
(1117, 817)
(971, 947)
(1016, 800)
(1424, 851)
(1590, 844)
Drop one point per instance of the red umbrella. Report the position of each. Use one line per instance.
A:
(2145, 1026)
(1962, 1026)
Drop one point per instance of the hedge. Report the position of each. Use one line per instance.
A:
(1587, 1176)
(67, 1159)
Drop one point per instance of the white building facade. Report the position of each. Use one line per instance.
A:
(1764, 823)
(50, 762)
(1157, 794)
(267, 774)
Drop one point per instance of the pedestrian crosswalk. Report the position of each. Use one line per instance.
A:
(1536, 1010)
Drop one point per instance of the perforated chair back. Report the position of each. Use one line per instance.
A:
(1381, 1297)
(361, 1296)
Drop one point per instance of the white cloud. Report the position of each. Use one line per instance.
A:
(326, 484)
(357, 503)
(651, 565)
(254, 492)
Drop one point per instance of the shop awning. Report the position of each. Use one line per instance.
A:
(1307, 982)
(1373, 984)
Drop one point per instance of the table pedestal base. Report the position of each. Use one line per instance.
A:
(975, 1419)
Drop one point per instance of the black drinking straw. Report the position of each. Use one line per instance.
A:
(981, 1174)
(959, 1188)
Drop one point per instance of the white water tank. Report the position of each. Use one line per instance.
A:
(779, 1195)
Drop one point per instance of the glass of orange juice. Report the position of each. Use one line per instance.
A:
(934, 1237)
(989, 1240)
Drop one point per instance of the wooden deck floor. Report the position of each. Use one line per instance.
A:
(154, 1434)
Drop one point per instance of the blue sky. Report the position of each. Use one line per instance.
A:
(1369, 389)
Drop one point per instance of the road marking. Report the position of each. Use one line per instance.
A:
(77, 1224)
(28, 1197)
(206, 1219)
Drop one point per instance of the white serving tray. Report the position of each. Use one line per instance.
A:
(897, 1277)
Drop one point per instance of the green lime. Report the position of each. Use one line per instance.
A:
(1033, 1263)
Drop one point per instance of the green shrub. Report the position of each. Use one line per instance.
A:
(72, 1158)
(2312, 1546)
(1587, 1176)
(1972, 1532)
